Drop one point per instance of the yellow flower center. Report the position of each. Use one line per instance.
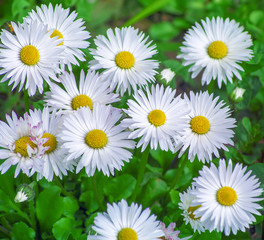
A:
(125, 60)
(51, 142)
(96, 139)
(82, 101)
(226, 196)
(21, 145)
(29, 55)
(191, 210)
(200, 125)
(127, 234)
(217, 50)
(57, 33)
(157, 117)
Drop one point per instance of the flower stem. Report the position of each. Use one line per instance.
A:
(26, 100)
(180, 171)
(142, 167)
(63, 191)
(99, 197)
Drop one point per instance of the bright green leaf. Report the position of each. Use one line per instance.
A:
(49, 207)
(21, 232)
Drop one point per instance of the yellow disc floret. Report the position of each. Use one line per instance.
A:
(200, 125)
(217, 50)
(21, 145)
(51, 142)
(226, 196)
(96, 139)
(125, 60)
(127, 234)
(57, 33)
(191, 210)
(157, 117)
(29, 55)
(81, 101)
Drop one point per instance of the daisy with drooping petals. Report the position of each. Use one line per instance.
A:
(188, 210)
(216, 47)
(156, 117)
(170, 234)
(63, 25)
(28, 56)
(209, 127)
(91, 90)
(53, 157)
(94, 139)
(122, 222)
(125, 58)
(20, 145)
(227, 197)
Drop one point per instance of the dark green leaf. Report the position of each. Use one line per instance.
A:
(21, 232)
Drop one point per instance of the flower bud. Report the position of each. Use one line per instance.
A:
(25, 192)
(237, 94)
(167, 74)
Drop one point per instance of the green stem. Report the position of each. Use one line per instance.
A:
(21, 213)
(142, 167)
(99, 197)
(180, 171)
(32, 213)
(26, 100)
(150, 9)
(5, 231)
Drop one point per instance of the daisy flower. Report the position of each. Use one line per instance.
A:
(28, 56)
(64, 26)
(169, 232)
(156, 117)
(95, 140)
(20, 145)
(54, 155)
(122, 222)
(227, 197)
(125, 58)
(91, 90)
(216, 47)
(209, 127)
(186, 199)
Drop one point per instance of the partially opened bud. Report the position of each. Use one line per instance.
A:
(237, 94)
(167, 74)
(25, 192)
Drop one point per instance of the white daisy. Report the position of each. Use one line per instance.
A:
(125, 58)
(122, 222)
(28, 56)
(91, 90)
(156, 117)
(95, 140)
(53, 158)
(169, 233)
(209, 127)
(20, 145)
(64, 26)
(227, 197)
(216, 47)
(189, 211)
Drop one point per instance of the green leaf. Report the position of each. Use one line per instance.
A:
(209, 236)
(120, 187)
(164, 158)
(258, 170)
(175, 196)
(90, 201)
(63, 228)
(21, 232)
(163, 31)
(70, 206)
(247, 125)
(240, 235)
(155, 189)
(5, 202)
(49, 207)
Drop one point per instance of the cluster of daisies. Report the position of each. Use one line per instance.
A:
(79, 128)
